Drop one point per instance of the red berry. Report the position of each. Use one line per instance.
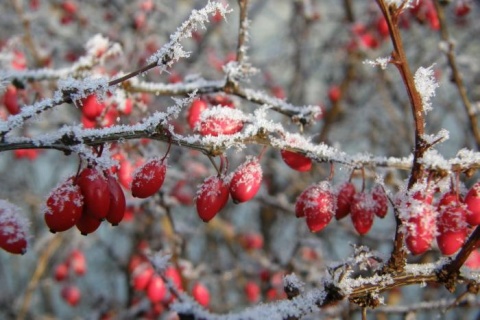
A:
(222, 121)
(369, 41)
(13, 229)
(201, 294)
(246, 181)
(183, 192)
(64, 207)
(381, 201)
(420, 226)
(141, 276)
(125, 173)
(334, 93)
(10, 100)
(71, 294)
(451, 223)
(251, 241)
(344, 200)
(196, 109)
(87, 223)
(96, 194)
(117, 206)
(296, 161)
(91, 108)
(252, 291)
(156, 290)
(472, 200)
(212, 196)
(317, 204)
(61, 272)
(362, 211)
(148, 179)
(174, 276)
(78, 262)
(473, 261)
(462, 8)
(382, 27)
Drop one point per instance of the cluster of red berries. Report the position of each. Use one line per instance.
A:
(449, 220)
(103, 114)
(75, 265)
(215, 191)
(13, 229)
(319, 203)
(215, 124)
(85, 201)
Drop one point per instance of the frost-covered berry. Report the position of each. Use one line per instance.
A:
(362, 212)
(451, 224)
(246, 181)
(13, 228)
(420, 226)
(212, 196)
(64, 206)
(344, 199)
(148, 179)
(472, 200)
(220, 121)
(381, 201)
(317, 205)
(91, 107)
(95, 191)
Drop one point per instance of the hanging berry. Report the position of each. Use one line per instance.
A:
(246, 181)
(212, 196)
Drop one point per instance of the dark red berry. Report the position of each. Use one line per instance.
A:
(344, 200)
(95, 191)
(117, 206)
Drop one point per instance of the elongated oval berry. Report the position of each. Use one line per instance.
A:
(246, 181)
(91, 107)
(420, 226)
(87, 223)
(64, 207)
(362, 212)
(216, 126)
(296, 161)
(381, 201)
(13, 228)
(212, 196)
(451, 224)
(141, 276)
(116, 210)
(201, 294)
(148, 179)
(317, 204)
(156, 289)
(95, 191)
(196, 109)
(345, 195)
(472, 200)
(10, 100)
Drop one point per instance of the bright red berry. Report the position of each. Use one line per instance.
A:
(451, 224)
(472, 200)
(10, 100)
(317, 204)
(196, 108)
(345, 195)
(296, 161)
(201, 294)
(141, 276)
(473, 261)
(117, 206)
(95, 191)
(156, 290)
(381, 201)
(78, 263)
(174, 276)
(13, 229)
(246, 181)
(252, 291)
(421, 227)
(334, 93)
(64, 207)
(148, 179)
(212, 196)
(91, 107)
(362, 211)
(61, 272)
(71, 294)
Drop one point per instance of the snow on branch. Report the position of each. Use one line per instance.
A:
(425, 84)
(173, 50)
